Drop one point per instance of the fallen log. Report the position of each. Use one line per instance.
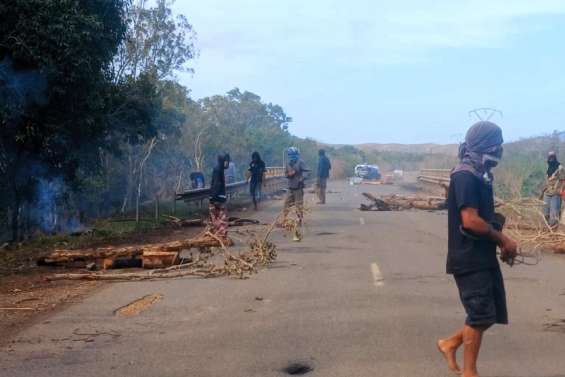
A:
(182, 223)
(376, 204)
(106, 257)
(135, 276)
(159, 259)
(399, 202)
(61, 257)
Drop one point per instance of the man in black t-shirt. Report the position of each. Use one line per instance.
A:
(475, 231)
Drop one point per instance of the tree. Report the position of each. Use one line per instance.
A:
(155, 42)
(54, 59)
(239, 123)
(156, 46)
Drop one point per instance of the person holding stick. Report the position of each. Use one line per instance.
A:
(473, 236)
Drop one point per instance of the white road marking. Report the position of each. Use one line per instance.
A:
(378, 278)
(362, 221)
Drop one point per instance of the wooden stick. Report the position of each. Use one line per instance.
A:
(14, 309)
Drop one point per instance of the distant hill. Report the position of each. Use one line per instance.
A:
(445, 149)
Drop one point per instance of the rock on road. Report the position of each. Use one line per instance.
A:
(364, 294)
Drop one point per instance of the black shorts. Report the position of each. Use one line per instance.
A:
(483, 296)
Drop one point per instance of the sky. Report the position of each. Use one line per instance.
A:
(403, 71)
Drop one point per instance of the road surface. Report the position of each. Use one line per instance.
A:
(364, 294)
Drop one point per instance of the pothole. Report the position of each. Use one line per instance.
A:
(138, 306)
(298, 369)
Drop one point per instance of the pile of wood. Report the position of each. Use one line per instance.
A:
(527, 225)
(147, 256)
(400, 202)
(261, 253)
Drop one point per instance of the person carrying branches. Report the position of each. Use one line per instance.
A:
(294, 171)
(553, 189)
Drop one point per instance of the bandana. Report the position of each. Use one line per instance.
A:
(481, 151)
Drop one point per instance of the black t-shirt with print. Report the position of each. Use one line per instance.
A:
(466, 254)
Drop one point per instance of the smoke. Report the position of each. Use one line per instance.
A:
(20, 89)
(52, 212)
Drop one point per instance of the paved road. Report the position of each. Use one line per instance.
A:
(364, 294)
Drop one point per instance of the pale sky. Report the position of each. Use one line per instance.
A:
(403, 71)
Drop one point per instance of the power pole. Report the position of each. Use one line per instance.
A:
(484, 113)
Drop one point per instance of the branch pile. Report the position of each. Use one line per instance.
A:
(528, 226)
(400, 202)
(261, 253)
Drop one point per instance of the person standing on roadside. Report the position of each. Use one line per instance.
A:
(294, 172)
(474, 232)
(218, 211)
(324, 167)
(554, 185)
(256, 172)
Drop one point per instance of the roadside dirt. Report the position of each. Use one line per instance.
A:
(26, 296)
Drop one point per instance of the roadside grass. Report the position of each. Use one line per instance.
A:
(120, 229)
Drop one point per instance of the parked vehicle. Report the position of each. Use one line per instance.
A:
(366, 171)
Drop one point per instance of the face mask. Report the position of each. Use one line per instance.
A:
(490, 161)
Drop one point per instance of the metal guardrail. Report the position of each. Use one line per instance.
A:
(274, 172)
(274, 181)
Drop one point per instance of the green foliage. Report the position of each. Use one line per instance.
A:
(238, 123)
(53, 61)
(523, 168)
(155, 42)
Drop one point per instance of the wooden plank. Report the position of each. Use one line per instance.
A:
(159, 259)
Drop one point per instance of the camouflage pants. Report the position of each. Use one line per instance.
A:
(219, 219)
(295, 198)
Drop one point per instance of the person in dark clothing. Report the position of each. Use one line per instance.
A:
(324, 167)
(256, 172)
(218, 198)
(474, 232)
(554, 187)
(552, 163)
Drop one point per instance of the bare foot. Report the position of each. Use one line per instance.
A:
(449, 352)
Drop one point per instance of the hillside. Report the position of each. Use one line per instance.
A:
(445, 149)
